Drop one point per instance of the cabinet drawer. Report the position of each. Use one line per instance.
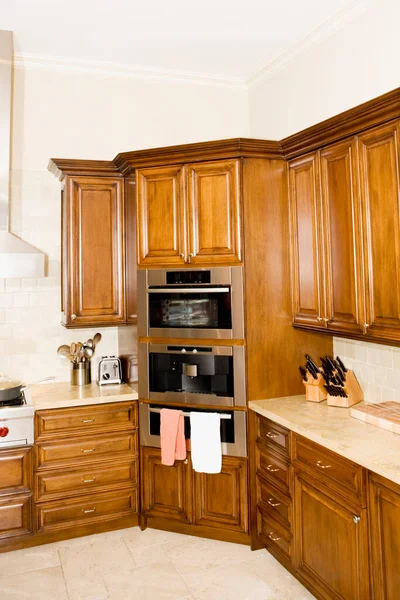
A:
(274, 434)
(273, 535)
(51, 516)
(345, 477)
(52, 485)
(15, 516)
(15, 470)
(86, 449)
(273, 501)
(272, 466)
(86, 419)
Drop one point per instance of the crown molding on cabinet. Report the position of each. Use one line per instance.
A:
(364, 116)
(46, 62)
(218, 149)
(319, 35)
(60, 167)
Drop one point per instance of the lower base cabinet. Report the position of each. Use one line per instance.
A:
(331, 542)
(198, 501)
(15, 494)
(384, 514)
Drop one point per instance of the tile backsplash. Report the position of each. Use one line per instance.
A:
(376, 367)
(30, 329)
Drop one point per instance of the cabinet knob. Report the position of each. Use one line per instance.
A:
(273, 537)
(88, 510)
(326, 321)
(319, 319)
(271, 435)
(190, 256)
(181, 255)
(365, 328)
(356, 519)
(73, 317)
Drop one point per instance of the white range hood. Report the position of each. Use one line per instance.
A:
(17, 258)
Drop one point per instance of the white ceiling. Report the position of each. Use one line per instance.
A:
(220, 38)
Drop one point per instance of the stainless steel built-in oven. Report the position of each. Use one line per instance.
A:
(233, 427)
(213, 375)
(195, 303)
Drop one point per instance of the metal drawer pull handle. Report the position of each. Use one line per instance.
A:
(356, 519)
(269, 468)
(271, 435)
(88, 510)
(88, 480)
(88, 421)
(321, 466)
(271, 537)
(89, 450)
(272, 503)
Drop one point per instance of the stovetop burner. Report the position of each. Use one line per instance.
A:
(20, 401)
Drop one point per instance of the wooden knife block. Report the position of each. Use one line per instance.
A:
(315, 391)
(353, 391)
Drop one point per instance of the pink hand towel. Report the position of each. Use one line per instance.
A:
(172, 432)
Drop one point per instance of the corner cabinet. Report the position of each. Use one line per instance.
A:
(189, 214)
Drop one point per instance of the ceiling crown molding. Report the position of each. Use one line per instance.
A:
(321, 33)
(45, 62)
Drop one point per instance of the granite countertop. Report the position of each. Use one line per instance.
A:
(372, 447)
(65, 395)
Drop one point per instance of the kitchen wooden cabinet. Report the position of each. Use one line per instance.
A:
(221, 499)
(214, 223)
(16, 478)
(86, 470)
(379, 151)
(308, 292)
(341, 235)
(166, 491)
(330, 541)
(384, 509)
(93, 251)
(179, 499)
(161, 221)
(189, 214)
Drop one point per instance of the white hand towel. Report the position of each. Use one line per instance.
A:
(205, 438)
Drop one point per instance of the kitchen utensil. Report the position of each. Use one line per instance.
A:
(80, 373)
(88, 352)
(303, 373)
(64, 348)
(96, 339)
(88, 343)
(72, 348)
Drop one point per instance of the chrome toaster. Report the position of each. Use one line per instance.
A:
(110, 370)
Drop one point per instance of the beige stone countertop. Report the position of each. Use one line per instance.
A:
(65, 395)
(372, 447)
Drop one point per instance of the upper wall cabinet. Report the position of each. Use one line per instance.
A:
(189, 214)
(379, 153)
(93, 251)
(345, 217)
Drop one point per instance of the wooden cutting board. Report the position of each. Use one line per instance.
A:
(385, 415)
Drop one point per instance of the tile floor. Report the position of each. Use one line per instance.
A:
(149, 565)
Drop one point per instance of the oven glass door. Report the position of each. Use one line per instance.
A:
(190, 308)
(233, 427)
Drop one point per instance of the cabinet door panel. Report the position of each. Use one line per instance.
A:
(305, 211)
(214, 212)
(95, 273)
(342, 239)
(331, 549)
(166, 491)
(379, 164)
(15, 516)
(161, 216)
(16, 470)
(221, 499)
(385, 540)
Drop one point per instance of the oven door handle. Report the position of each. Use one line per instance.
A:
(185, 413)
(188, 290)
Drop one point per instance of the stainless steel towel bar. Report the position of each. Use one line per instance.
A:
(157, 410)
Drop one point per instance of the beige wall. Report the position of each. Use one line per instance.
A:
(357, 63)
(79, 115)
